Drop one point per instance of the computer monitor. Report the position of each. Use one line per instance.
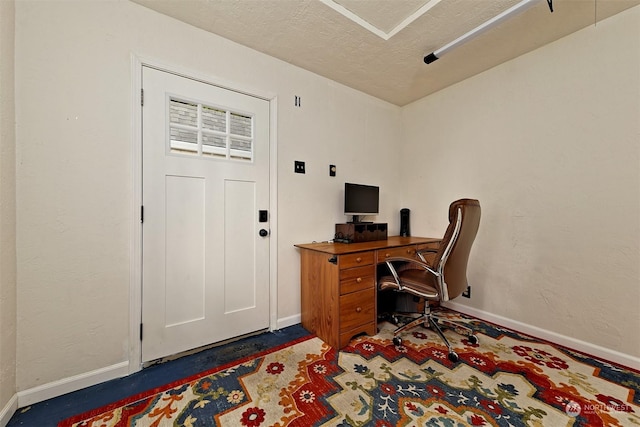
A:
(361, 200)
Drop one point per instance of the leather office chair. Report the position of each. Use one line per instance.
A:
(442, 280)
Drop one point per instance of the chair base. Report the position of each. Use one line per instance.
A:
(432, 321)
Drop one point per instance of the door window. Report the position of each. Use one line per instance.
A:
(207, 131)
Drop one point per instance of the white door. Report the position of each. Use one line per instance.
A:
(205, 261)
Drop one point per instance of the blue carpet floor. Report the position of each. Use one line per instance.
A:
(52, 411)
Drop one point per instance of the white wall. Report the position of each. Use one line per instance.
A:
(74, 172)
(549, 144)
(7, 213)
(335, 127)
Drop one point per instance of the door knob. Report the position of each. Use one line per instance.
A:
(263, 232)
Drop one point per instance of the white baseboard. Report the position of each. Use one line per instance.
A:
(289, 321)
(77, 382)
(9, 409)
(563, 340)
(68, 385)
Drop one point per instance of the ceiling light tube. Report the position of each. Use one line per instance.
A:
(513, 10)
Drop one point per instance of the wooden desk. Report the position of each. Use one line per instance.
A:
(338, 282)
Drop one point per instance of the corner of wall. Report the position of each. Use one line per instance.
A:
(8, 286)
(9, 409)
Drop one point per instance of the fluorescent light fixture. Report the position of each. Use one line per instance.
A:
(513, 10)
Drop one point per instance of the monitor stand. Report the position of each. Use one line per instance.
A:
(355, 219)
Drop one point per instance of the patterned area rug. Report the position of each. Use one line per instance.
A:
(508, 379)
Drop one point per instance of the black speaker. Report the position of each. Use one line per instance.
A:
(404, 222)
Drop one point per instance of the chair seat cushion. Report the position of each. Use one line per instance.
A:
(416, 282)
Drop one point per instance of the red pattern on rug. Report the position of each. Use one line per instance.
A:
(508, 379)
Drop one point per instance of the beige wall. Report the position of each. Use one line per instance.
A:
(75, 182)
(549, 143)
(7, 207)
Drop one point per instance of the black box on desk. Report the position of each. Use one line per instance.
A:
(361, 232)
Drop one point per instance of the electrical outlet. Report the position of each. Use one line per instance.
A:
(467, 292)
(298, 167)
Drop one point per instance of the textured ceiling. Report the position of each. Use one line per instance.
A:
(378, 46)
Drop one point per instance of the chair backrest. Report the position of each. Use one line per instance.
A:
(453, 253)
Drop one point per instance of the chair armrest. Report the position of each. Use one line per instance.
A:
(421, 264)
(421, 251)
(426, 251)
(433, 250)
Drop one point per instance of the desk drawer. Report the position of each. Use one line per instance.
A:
(357, 308)
(358, 278)
(355, 260)
(403, 251)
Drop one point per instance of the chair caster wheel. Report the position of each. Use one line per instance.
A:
(397, 341)
(453, 356)
(473, 339)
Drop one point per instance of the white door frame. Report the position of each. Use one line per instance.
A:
(135, 281)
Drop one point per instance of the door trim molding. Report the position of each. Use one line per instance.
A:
(135, 279)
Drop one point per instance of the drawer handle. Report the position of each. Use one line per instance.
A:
(387, 255)
(358, 259)
(358, 309)
(359, 279)
(409, 251)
